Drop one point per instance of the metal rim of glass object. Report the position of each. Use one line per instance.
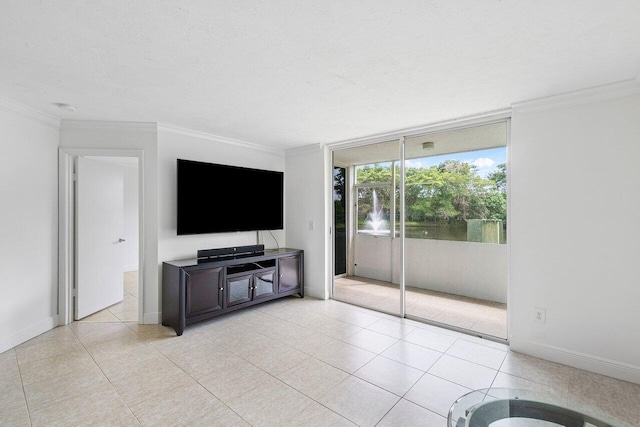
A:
(482, 414)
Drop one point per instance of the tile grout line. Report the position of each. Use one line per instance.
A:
(288, 338)
(201, 385)
(350, 374)
(421, 376)
(105, 375)
(271, 375)
(24, 393)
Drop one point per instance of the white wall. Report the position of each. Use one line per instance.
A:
(306, 203)
(174, 144)
(131, 220)
(115, 137)
(28, 223)
(574, 231)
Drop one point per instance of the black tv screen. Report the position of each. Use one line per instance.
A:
(215, 198)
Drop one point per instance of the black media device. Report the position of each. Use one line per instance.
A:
(215, 198)
(205, 255)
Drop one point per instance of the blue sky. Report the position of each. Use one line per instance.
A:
(485, 160)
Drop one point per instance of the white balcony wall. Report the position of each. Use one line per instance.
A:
(373, 257)
(475, 270)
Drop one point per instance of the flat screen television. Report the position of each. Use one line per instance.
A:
(215, 198)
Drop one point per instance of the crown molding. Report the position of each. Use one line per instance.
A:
(579, 97)
(216, 138)
(109, 125)
(449, 124)
(312, 148)
(29, 113)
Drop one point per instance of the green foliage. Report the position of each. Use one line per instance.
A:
(499, 177)
(447, 194)
(374, 173)
(338, 198)
(496, 202)
(339, 215)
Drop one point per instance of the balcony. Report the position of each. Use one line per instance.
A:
(478, 316)
(453, 283)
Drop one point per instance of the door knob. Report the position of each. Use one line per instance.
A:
(120, 240)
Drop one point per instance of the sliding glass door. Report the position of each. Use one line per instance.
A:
(455, 229)
(371, 278)
(426, 228)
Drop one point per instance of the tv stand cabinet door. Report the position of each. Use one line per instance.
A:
(264, 284)
(239, 287)
(203, 290)
(290, 271)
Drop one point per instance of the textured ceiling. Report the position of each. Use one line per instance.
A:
(291, 73)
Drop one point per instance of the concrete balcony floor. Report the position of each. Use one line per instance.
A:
(479, 317)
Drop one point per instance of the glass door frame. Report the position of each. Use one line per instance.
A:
(401, 208)
(453, 125)
(352, 219)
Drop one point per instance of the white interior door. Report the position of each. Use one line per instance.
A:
(99, 231)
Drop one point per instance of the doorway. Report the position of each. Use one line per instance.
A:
(100, 234)
(430, 222)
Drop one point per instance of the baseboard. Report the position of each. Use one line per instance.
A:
(315, 292)
(27, 333)
(610, 368)
(151, 318)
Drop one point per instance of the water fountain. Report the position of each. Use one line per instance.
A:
(375, 219)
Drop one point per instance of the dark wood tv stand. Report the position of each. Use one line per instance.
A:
(222, 280)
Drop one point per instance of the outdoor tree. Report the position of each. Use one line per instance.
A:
(499, 177)
(447, 194)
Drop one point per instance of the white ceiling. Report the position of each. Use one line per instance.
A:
(291, 73)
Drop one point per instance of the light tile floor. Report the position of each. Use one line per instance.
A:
(487, 318)
(124, 311)
(290, 362)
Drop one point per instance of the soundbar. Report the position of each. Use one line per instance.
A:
(211, 254)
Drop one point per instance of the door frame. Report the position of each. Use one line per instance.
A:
(66, 226)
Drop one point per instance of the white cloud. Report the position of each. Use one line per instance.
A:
(483, 162)
(413, 163)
